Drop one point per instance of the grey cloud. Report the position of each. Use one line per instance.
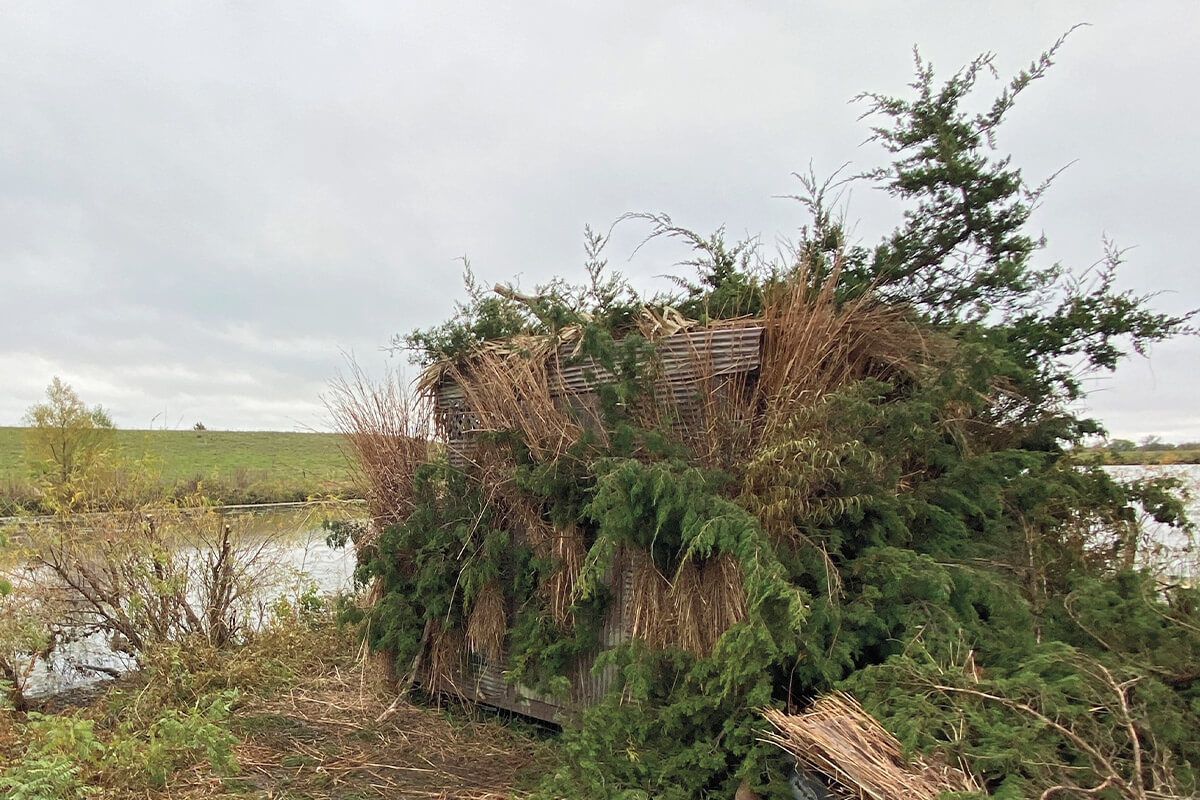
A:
(202, 205)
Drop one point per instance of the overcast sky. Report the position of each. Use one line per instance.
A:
(203, 205)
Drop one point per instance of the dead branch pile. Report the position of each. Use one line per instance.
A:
(840, 740)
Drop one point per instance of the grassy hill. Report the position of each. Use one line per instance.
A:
(233, 466)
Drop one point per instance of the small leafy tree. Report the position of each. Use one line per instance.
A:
(65, 442)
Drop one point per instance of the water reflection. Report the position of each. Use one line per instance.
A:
(1170, 552)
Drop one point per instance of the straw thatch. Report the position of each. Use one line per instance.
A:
(487, 622)
(841, 741)
(690, 611)
(570, 550)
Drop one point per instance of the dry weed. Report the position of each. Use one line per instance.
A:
(388, 433)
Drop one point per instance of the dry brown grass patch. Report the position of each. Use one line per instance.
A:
(321, 743)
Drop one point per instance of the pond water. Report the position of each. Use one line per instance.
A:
(289, 541)
(1168, 551)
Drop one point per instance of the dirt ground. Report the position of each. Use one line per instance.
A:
(328, 744)
(342, 740)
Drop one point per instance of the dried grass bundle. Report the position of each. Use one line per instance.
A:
(815, 344)
(692, 610)
(507, 389)
(445, 658)
(725, 583)
(708, 599)
(650, 605)
(387, 433)
(523, 516)
(487, 623)
(840, 740)
(569, 549)
(689, 628)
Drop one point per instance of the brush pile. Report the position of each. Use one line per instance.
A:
(838, 739)
(724, 392)
(842, 467)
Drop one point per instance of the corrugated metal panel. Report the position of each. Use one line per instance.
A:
(456, 421)
(482, 680)
(484, 683)
(684, 359)
(449, 393)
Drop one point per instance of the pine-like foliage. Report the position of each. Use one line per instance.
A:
(889, 503)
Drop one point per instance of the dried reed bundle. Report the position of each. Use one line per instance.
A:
(487, 623)
(692, 610)
(689, 629)
(445, 658)
(570, 550)
(708, 599)
(387, 433)
(840, 740)
(508, 390)
(815, 344)
(650, 604)
(514, 509)
(523, 516)
(725, 583)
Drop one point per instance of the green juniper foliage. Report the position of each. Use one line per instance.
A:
(904, 508)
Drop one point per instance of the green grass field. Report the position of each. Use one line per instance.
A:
(234, 466)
